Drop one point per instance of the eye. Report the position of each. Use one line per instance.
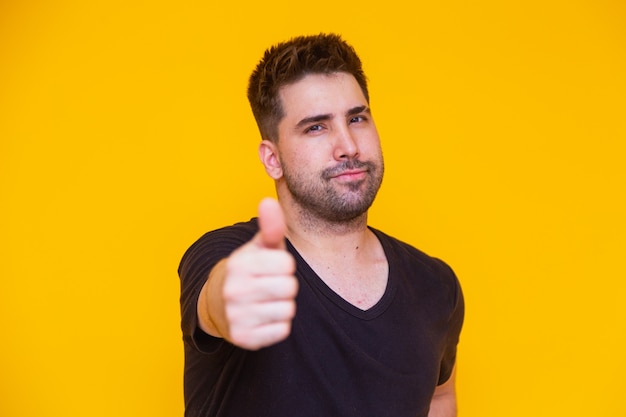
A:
(313, 129)
(357, 119)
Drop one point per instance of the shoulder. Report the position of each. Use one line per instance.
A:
(219, 243)
(400, 251)
(238, 231)
(408, 261)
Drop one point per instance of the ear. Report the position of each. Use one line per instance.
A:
(268, 152)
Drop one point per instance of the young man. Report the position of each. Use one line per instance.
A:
(306, 310)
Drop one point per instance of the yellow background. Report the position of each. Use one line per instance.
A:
(125, 134)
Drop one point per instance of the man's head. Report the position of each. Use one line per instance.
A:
(289, 62)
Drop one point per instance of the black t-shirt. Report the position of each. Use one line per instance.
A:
(339, 360)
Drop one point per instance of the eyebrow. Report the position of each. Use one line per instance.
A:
(357, 110)
(323, 117)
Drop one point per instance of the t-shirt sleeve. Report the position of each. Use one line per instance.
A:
(194, 268)
(455, 323)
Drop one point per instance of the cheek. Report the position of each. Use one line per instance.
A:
(371, 147)
(305, 158)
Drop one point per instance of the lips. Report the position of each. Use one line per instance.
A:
(350, 174)
(348, 170)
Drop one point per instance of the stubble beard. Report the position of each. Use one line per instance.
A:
(325, 201)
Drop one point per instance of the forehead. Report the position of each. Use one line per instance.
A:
(321, 94)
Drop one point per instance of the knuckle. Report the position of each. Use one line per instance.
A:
(287, 262)
(229, 292)
(292, 310)
(239, 337)
(281, 331)
(295, 286)
(287, 311)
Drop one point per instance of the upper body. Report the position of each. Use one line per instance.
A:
(339, 360)
(321, 147)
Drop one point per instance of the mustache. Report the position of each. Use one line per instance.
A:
(346, 166)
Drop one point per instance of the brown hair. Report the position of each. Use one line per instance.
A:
(289, 62)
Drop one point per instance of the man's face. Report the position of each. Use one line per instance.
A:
(328, 147)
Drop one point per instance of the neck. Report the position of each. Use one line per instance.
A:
(312, 234)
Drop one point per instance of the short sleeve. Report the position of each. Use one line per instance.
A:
(454, 326)
(193, 271)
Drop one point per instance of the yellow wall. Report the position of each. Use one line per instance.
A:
(125, 135)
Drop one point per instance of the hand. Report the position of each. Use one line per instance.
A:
(260, 287)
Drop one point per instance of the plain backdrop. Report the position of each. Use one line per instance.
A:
(125, 134)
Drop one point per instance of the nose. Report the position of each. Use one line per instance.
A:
(345, 146)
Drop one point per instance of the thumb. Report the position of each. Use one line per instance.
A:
(272, 227)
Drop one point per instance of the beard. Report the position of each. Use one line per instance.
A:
(336, 203)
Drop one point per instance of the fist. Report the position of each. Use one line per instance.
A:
(260, 286)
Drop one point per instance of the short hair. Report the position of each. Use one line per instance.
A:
(288, 62)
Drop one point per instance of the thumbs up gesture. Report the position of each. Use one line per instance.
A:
(249, 298)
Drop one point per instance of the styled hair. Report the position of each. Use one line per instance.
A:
(288, 62)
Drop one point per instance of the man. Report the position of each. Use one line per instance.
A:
(306, 310)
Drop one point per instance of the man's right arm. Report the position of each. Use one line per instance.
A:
(211, 316)
(249, 297)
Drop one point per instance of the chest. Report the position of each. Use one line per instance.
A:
(361, 284)
(383, 361)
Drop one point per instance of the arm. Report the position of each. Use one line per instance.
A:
(249, 297)
(211, 310)
(443, 403)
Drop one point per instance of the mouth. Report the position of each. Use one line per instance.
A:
(348, 171)
(350, 175)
